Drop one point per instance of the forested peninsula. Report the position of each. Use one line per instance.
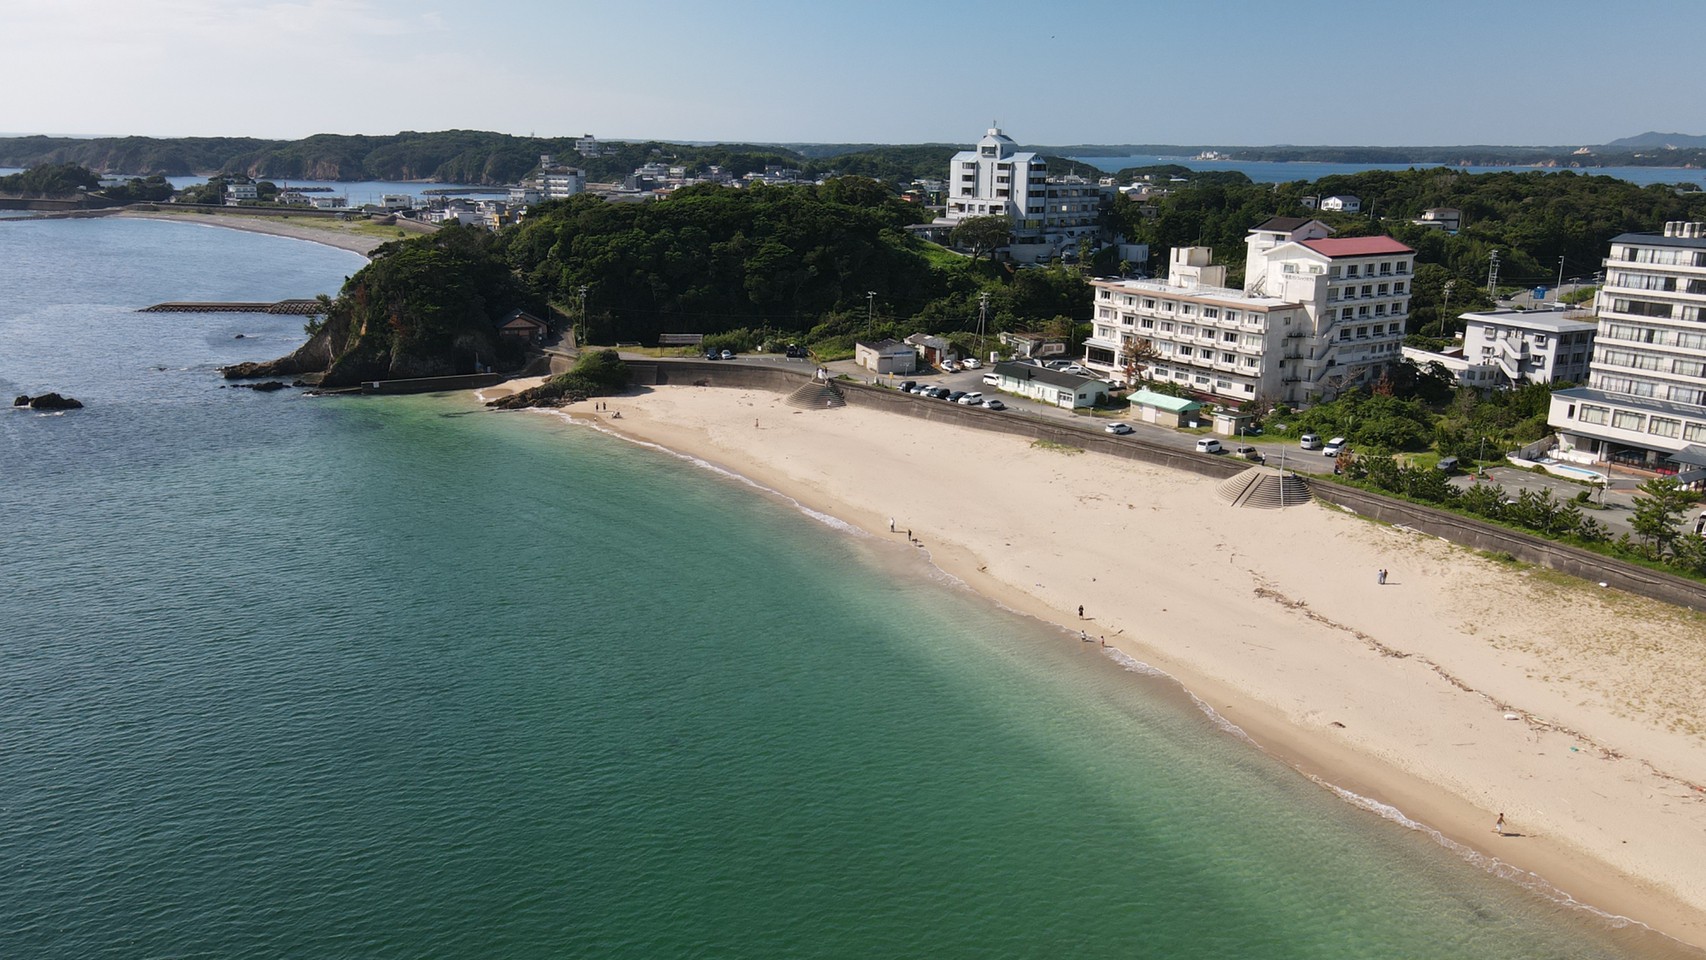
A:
(486, 158)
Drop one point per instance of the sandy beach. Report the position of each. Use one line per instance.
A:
(1396, 693)
(356, 236)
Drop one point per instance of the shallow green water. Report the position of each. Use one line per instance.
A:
(401, 678)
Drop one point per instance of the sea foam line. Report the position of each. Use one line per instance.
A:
(1527, 879)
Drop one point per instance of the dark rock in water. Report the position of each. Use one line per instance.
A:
(238, 337)
(22, 401)
(266, 387)
(53, 401)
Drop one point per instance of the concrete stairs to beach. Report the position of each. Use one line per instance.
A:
(816, 395)
(1263, 487)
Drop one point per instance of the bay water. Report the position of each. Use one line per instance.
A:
(285, 676)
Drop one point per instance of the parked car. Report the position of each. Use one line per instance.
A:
(1309, 441)
(971, 399)
(1117, 428)
(1057, 364)
(907, 385)
(991, 380)
(951, 366)
(728, 354)
(924, 389)
(795, 351)
(971, 363)
(1209, 445)
(954, 396)
(1249, 453)
(994, 405)
(712, 355)
(1446, 464)
(1334, 447)
(1075, 368)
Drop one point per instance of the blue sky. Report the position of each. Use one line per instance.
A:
(1235, 72)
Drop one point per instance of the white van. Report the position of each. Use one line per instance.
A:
(991, 380)
(1209, 445)
(1309, 441)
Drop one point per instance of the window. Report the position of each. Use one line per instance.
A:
(1362, 333)
(1146, 323)
(1201, 379)
(1167, 326)
(1641, 308)
(1346, 314)
(1627, 420)
(1664, 427)
(1345, 334)
(1210, 313)
(1595, 414)
(1228, 358)
(1187, 309)
(1688, 368)
(1694, 432)
(1229, 337)
(1185, 351)
(1351, 270)
(1368, 290)
(1148, 304)
(1398, 287)
(1380, 291)
(1167, 306)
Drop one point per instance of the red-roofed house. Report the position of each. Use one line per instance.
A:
(1355, 290)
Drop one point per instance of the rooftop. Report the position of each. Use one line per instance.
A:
(1027, 371)
(1660, 240)
(1557, 321)
(1336, 247)
(1224, 295)
(1280, 224)
(1162, 401)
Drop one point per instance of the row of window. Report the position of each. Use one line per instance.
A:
(1655, 336)
(1666, 256)
(1636, 360)
(1386, 268)
(1635, 387)
(1368, 330)
(1362, 312)
(1688, 430)
(1203, 381)
(1367, 290)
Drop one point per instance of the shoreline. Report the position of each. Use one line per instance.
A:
(1319, 699)
(331, 237)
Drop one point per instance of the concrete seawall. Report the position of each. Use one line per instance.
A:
(1465, 531)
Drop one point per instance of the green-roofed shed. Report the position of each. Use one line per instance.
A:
(1159, 408)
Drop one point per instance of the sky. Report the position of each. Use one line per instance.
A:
(1209, 72)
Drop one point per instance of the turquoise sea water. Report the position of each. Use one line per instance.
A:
(294, 677)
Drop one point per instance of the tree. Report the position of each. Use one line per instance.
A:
(981, 234)
(1658, 515)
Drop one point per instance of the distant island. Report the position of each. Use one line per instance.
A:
(485, 158)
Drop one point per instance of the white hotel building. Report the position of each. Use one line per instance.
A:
(996, 179)
(1645, 402)
(1199, 333)
(1316, 315)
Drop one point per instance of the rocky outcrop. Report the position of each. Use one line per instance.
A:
(48, 401)
(548, 394)
(267, 386)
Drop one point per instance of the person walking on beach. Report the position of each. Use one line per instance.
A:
(1499, 825)
(1081, 611)
(891, 524)
(1381, 576)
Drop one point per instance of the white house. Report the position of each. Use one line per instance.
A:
(560, 184)
(1050, 386)
(397, 201)
(1645, 400)
(1191, 329)
(1341, 204)
(238, 192)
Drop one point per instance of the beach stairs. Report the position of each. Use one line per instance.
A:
(1263, 487)
(816, 395)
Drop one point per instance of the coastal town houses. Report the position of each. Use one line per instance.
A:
(1049, 215)
(1645, 400)
(1355, 292)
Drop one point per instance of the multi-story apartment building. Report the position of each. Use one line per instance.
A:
(1530, 346)
(1645, 401)
(1355, 290)
(995, 178)
(1191, 329)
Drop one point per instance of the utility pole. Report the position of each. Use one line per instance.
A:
(586, 330)
(1560, 278)
(1493, 275)
(1445, 310)
(982, 319)
(870, 312)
